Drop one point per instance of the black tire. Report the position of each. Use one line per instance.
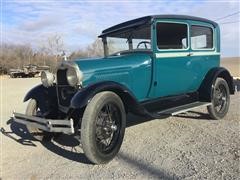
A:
(104, 117)
(220, 99)
(32, 110)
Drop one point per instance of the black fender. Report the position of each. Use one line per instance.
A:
(46, 97)
(84, 96)
(205, 89)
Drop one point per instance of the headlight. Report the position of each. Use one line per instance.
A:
(74, 76)
(47, 78)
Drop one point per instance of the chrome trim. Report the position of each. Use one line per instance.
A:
(71, 64)
(184, 54)
(62, 66)
(49, 79)
(49, 125)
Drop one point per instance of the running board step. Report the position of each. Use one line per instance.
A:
(183, 108)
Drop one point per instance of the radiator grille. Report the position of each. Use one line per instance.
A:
(62, 77)
(65, 91)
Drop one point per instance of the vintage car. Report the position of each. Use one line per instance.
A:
(154, 66)
(28, 71)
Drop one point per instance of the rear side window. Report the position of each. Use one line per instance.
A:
(201, 37)
(172, 36)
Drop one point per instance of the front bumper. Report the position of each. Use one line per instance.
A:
(49, 125)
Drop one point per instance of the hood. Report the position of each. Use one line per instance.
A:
(112, 68)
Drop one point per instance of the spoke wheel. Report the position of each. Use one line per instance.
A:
(108, 123)
(220, 99)
(103, 127)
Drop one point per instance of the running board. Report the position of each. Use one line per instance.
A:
(183, 108)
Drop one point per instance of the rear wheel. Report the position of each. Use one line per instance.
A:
(103, 126)
(220, 99)
(33, 110)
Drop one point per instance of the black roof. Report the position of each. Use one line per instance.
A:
(147, 20)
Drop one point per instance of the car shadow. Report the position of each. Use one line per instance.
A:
(21, 131)
(63, 144)
(68, 146)
(146, 168)
(133, 120)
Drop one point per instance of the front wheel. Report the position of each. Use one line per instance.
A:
(220, 99)
(103, 126)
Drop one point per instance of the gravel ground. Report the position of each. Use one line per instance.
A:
(187, 146)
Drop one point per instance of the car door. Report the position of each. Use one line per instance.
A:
(204, 53)
(173, 73)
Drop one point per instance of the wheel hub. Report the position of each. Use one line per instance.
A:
(113, 127)
(106, 131)
(220, 98)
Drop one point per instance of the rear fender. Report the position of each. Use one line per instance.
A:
(205, 90)
(46, 97)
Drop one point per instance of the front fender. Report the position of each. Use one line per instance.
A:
(46, 97)
(205, 90)
(84, 96)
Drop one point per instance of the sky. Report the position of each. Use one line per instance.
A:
(80, 22)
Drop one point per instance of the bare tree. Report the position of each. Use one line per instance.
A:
(55, 44)
(51, 48)
(95, 49)
(16, 56)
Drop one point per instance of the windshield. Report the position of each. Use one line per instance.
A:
(126, 41)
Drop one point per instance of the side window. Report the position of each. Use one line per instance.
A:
(201, 37)
(172, 36)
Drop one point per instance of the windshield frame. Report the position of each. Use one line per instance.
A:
(128, 40)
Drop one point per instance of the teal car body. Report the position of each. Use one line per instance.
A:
(148, 62)
(122, 69)
(154, 66)
(156, 73)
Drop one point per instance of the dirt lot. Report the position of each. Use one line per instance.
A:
(189, 146)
